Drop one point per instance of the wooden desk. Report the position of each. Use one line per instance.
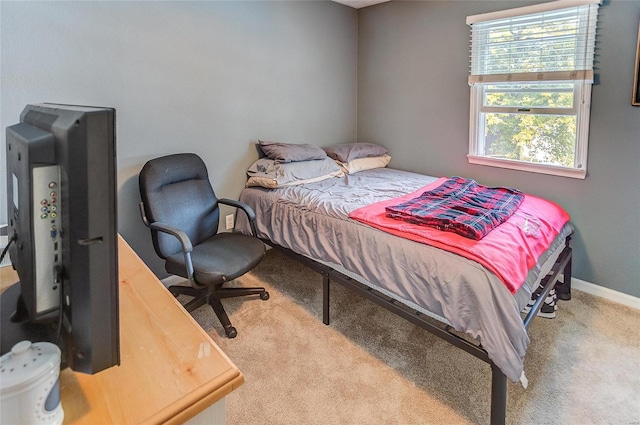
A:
(170, 369)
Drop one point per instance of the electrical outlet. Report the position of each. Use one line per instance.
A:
(229, 221)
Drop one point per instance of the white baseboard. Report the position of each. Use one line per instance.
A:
(606, 293)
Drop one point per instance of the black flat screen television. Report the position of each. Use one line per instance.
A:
(61, 204)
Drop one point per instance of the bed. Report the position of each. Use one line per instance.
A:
(458, 299)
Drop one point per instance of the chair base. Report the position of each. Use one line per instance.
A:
(212, 295)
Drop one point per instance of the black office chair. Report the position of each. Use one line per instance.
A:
(181, 209)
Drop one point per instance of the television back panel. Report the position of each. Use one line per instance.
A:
(34, 180)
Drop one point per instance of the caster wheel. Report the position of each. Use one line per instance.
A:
(264, 296)
(231, 332)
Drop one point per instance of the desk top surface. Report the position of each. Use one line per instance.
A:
(170, 369)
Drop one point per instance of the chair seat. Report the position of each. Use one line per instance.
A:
(219, 259)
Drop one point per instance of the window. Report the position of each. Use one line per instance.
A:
(531, 76)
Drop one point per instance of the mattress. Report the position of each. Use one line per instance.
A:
(313, 220)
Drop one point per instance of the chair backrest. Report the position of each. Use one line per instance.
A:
(175, 190)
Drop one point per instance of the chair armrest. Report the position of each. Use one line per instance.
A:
(182, 237)
(244, 207)
(167, 228)
(187, 247)
(251, 215)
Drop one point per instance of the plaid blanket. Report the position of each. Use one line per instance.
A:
(460, 205)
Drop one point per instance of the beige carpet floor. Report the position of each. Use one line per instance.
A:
(372, 367)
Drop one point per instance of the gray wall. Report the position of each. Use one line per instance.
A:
(413, 97)
(206, 77)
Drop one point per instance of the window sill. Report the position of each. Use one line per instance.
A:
(575, 173)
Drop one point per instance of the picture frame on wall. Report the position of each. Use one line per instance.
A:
(635, 100)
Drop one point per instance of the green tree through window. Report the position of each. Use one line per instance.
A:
(537, 138)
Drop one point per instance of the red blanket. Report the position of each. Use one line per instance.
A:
(510, 250)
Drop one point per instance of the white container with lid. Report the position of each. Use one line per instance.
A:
(29, 384)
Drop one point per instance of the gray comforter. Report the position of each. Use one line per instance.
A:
(312, 220)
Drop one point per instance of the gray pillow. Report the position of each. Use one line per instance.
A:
(348, 151)
(287, 152)
(271, 174)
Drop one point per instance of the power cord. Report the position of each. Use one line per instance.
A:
(6, 248)
(57, 272)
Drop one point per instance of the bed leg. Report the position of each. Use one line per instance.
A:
(325, 298)
(563, 290)
(498, 396)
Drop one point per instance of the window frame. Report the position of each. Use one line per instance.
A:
(581, 76)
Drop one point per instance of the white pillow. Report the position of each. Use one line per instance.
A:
(361, 164)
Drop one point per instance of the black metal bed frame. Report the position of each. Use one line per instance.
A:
(498, 379)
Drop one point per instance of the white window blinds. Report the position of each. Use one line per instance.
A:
(549, 41)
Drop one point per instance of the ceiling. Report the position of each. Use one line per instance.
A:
(357, 4)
